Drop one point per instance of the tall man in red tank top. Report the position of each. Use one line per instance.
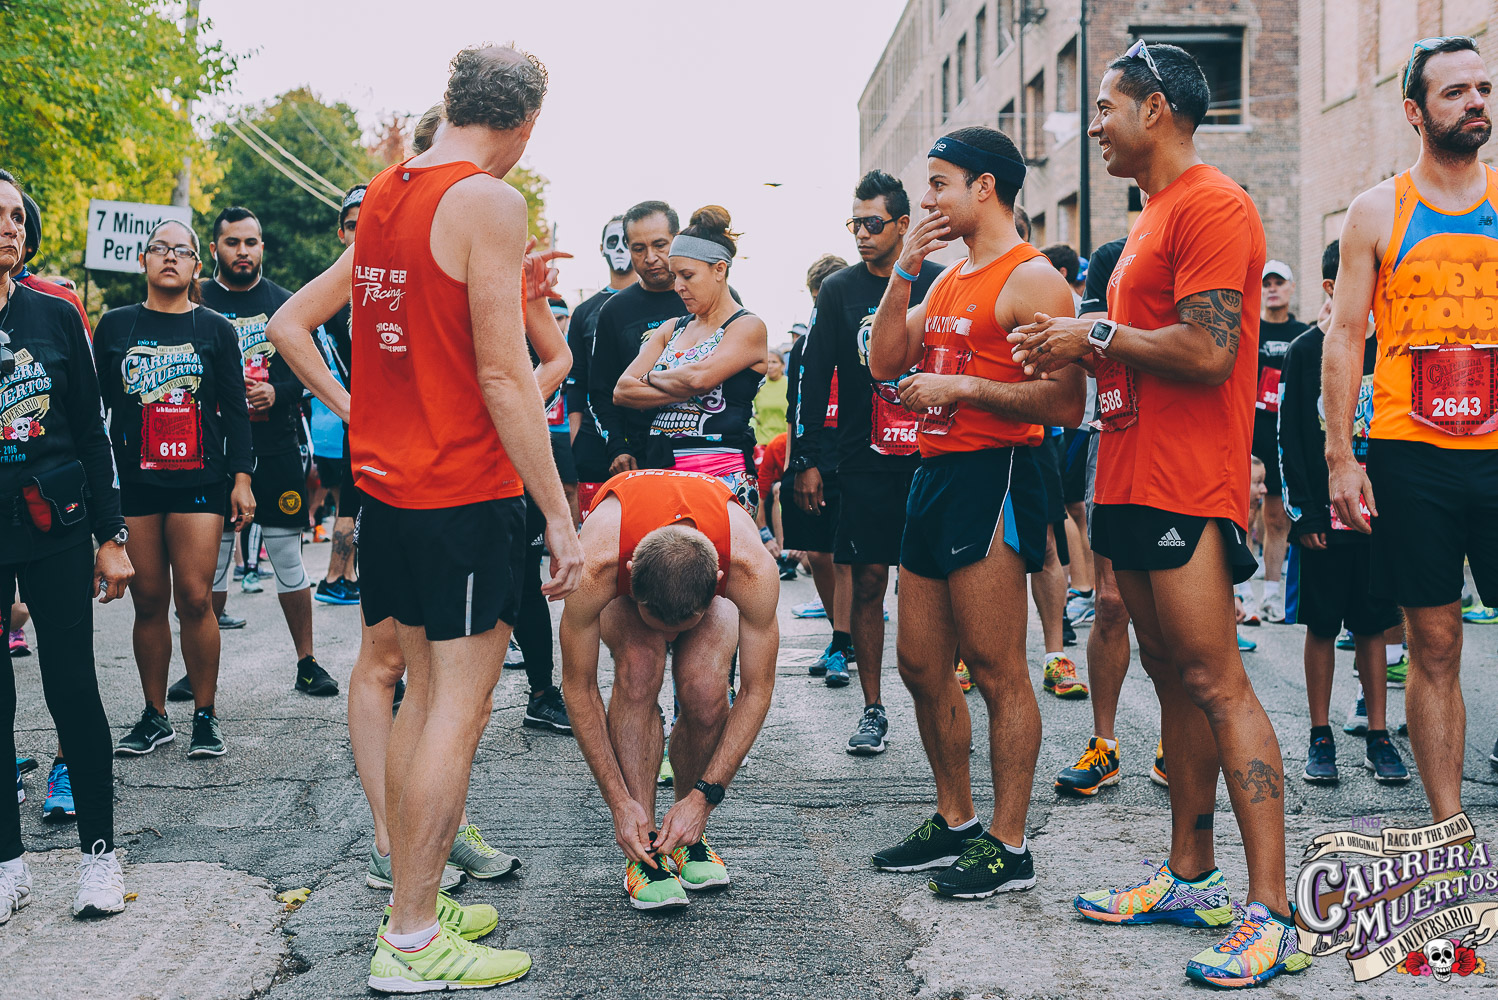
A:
(1176, 364)
(1421, 250)
(673, 563)
(447, 424)
(976, 514)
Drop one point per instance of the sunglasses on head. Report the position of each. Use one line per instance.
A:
(1428, 45)
(873, 223)
(1139, 50)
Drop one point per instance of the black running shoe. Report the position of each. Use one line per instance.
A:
(206, 740)
(868, 738)
(1321, 762)
(986, 867)
(400, 696)
(180, 691)
(1068, 634)
(228, 621)
(313, 679)
(932, 845)
(547, 710)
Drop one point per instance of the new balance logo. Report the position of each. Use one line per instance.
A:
(1172, 539)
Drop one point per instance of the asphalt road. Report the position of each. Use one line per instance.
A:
(208, 844)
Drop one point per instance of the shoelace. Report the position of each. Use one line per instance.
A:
(476, 840)
(870, 722)
(10, 889)
(924, 832)
(978, 849)
(59, 782)
(100, 871)
(1249, 925)
(1064, 666)
(1093, 755)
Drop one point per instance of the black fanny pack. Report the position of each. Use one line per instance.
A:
(55, 499)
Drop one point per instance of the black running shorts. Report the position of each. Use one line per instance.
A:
(138, 500)
(1074, 465)
(871, 520)
(1436, 506)
(809, 532)
(1140, 539)
(1328, 590)
(1266, 446)
(454, 571)
(962, 504)
(280, 485)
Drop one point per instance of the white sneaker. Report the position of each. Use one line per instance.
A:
(15, 890)
(101, 884)
(1273, 609)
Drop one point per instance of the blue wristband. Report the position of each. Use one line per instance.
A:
(904, 274)
(766, 535)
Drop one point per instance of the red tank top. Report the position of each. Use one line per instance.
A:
(654, 498)
(962, 337)
(420, 435)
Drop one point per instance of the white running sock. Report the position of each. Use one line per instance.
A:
(1054, 656)
(1393, 653)
(1110, 744)
(15, 866)
(970, 823)
(414, 942)
(1271, 589)
(1024, 845)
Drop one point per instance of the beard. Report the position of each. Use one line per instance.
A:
(1458, 139)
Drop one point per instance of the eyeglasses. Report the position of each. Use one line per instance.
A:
(873, 223)
(1428, 45)
(1141, 51)
(162, 250)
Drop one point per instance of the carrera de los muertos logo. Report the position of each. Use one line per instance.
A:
(1417, 902)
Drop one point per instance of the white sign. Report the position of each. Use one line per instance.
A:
(117, 232)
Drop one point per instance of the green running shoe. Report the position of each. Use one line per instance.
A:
(667, 777)
(447, 962)
(378, 876)
(1399, 672)
(1258, 949)
(478, 859)
(653, 888)
(468, 922)
(699, 866)
(150, 732)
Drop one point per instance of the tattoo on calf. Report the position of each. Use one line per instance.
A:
(1219, 312)
(1261, 779)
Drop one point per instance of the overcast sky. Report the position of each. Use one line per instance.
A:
(688, 101)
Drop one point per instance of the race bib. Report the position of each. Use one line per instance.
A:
(556, 413)
(255, 373)
(1338, 524)
(1117, 399)
(942, 360)
(171, 437)
(1268, 399)
(830, 420)
(892, 428)
(1454, 387)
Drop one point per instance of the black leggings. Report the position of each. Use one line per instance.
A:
(55, 590)
(533, 630)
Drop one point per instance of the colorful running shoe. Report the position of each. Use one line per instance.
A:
(468, 922)
(698, 866)
(1383, 760)
(1081, 608)
(1258, 949)
(26, 765)
(811, 609)
(378, 875)
(18, 647)
(20, 786)
(334, 592)
(447, 962)
(1161, 899)
(1321, 762)
(1480, 614)
(1357, 716)
(985, 867)
(59, 802)
(1399, 672)
(964, 677)
(1061, 678)
(837, 670)
(665, 777)
(1346, 641)
(1098, 766)
(933, 844)
(653, 888)
(250, 582)
(1246, 645)
(473, 855)
(1158, 775)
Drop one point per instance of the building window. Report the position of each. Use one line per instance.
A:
(1008, 123)
(1339, 54)
(1066, 77)
(1035, 117)
(1004, 12)
(1037, 230)
(946, 89)
(961, 69)
(942, 8)
(980, 30)
(1067, 220)
(1398, 26)
(1220, 53)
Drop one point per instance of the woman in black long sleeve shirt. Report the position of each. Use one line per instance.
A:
(172, 383)
(56, 486)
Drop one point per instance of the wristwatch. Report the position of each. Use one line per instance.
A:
(1101, 334)
(713, 793)
(121, 537)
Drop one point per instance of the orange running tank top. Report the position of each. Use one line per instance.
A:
(420, 434)
(1438, 285)
(963, 338)
(654, 498)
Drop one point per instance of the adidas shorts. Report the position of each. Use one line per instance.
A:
(1140, 539)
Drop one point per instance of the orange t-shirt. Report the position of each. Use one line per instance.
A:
(1188, 451)
(963, 338)
(1437, 284)
(654, 498)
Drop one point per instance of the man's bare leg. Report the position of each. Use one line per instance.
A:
(1107, 649)
(1433, 703)
(699, 669)
(867, 625)
(341, 559)
(371, 694)
(925, 659)
(1276, 540)
(1083, 569)
(639, 655)
(296, 606)
(1049, 588)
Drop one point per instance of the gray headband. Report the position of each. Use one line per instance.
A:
(699, 249)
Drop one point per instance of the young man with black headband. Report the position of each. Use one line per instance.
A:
(976, 516)
(1176, 365)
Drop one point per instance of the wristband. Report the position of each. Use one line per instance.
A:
(912, 278)
(766, 535)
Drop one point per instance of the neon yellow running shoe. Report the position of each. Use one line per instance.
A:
(447, 962)
(468, 922)
(1260, 948)
(653, 888)
(699, 866)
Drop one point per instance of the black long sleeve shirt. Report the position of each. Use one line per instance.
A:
(50, 415)
(250, 312)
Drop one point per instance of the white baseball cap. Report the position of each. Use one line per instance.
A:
(1280, 268)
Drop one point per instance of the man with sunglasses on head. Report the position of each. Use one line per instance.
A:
(1421, 250)
(873, 447)
(1176, 365)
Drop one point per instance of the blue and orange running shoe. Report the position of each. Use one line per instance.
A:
(1161, 899)
(1258, 949)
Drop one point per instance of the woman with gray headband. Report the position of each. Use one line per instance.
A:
(701, 373)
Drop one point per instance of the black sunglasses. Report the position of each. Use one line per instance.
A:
(873, 223)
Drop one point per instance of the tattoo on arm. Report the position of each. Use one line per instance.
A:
(1261, 779)
(1219, 312)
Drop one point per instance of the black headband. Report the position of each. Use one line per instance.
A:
(1004, 170)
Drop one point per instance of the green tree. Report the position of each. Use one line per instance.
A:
(299, 226)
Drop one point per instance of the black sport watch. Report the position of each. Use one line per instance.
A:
(713, 793)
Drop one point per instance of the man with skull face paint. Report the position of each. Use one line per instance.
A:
(589, 450)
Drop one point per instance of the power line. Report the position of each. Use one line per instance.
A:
(334, 188)
(335, 206)
(357, 174)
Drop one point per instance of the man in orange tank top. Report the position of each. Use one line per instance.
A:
(1421, 250)
(1177, 365)
(447, 423)
(673, 564)
(977, 510)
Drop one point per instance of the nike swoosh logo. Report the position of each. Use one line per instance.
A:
(964, 548)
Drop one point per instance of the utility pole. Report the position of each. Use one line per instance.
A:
(184, 176)
(1084, 143)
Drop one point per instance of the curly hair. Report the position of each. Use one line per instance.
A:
(496, 86)
(821, 268)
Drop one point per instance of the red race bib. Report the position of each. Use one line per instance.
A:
(254, 373)
(1117, 401)
(1269, 391)
(556, 413)
(171, 437)
(942, 360)
(830, 420)
(1338, 524)
(892, 428)
(1454, 387)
